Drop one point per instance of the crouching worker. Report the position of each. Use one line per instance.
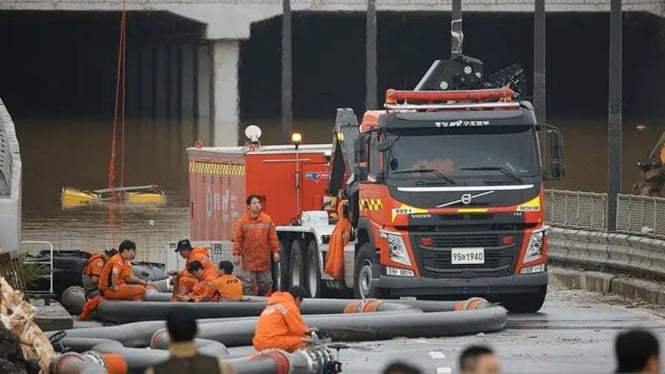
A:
(92, 270)
(280, 325)
(117, 280)
(227, 286)
(183, 357)
(185, 281)
(201, 289)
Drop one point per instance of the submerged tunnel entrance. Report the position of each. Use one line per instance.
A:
(64, 64)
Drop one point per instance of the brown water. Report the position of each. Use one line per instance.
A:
(56, 153)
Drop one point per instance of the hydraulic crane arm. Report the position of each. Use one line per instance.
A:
(343, 159)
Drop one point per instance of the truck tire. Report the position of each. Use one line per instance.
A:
(362, 274)
(525, 303)
(280, 270)
(313, 278)
(296, 264)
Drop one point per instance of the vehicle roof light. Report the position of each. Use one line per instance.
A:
(504, 93)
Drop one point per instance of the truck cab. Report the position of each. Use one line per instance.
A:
(450, 201)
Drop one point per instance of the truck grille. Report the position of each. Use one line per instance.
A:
(435, 261)
(466, 241)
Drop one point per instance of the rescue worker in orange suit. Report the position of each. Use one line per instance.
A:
(254, 238)
(280, 325)
(185, 281)
(227, 286)
(91, 271)
(117, 280)
(201, 289)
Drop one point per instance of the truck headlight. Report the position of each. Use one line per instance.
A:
(534, 249)
(396, 247)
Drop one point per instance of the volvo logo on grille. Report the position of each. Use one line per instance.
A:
(465, 199)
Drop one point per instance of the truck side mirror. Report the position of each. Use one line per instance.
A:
(556, 145)
(361, 148)
(361, 173)
(557, 169)
(385, 145)
(361, 169)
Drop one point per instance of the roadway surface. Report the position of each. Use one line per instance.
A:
(573, 333)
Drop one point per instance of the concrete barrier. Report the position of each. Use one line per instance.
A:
(635, 255)
(625, 265)
(10, 184)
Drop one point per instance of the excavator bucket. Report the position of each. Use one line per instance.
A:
(652, 182)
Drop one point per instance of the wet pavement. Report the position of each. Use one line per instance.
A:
(573, 333)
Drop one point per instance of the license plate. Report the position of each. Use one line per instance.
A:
(466, 256)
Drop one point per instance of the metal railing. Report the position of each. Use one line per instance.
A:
(47, 262)
(637, 215)
(576, 209)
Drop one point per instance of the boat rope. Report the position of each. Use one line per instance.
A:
(119, 111)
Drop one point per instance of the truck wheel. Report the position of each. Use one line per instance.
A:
(296, 264)
(280, 270)
(525, 303)
(362, 274)
(313, 279)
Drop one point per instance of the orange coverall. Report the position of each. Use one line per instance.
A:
(202, 288)
(92, 268)
(226, 286)
(118, 268)
(280, 325)
(94, 265)
(253, 238)
(187, 281)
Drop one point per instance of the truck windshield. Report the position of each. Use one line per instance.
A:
(490, 153)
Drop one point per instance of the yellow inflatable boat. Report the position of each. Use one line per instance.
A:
(140, 195)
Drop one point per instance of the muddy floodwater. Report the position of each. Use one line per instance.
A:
(75, 152)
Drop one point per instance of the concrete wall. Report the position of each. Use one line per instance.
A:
(10, 196)
(231, 19)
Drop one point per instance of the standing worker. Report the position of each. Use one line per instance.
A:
(117, 280)
(280, 325)
(92, 270)
(184, 358)
(254, 237)
(185, 281)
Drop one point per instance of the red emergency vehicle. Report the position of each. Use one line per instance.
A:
(443, 192)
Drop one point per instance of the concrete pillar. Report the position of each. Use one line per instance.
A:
(174, 82)
(224, 91)
(187, 82)
(94, 76)
(82, 89)
(146, 91)
(132, 90)
(203, 100)
(109, 78)
(161, 84)
(204, 78)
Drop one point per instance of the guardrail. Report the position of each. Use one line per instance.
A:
(579, 236)
(637, 215)
(10, 184)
